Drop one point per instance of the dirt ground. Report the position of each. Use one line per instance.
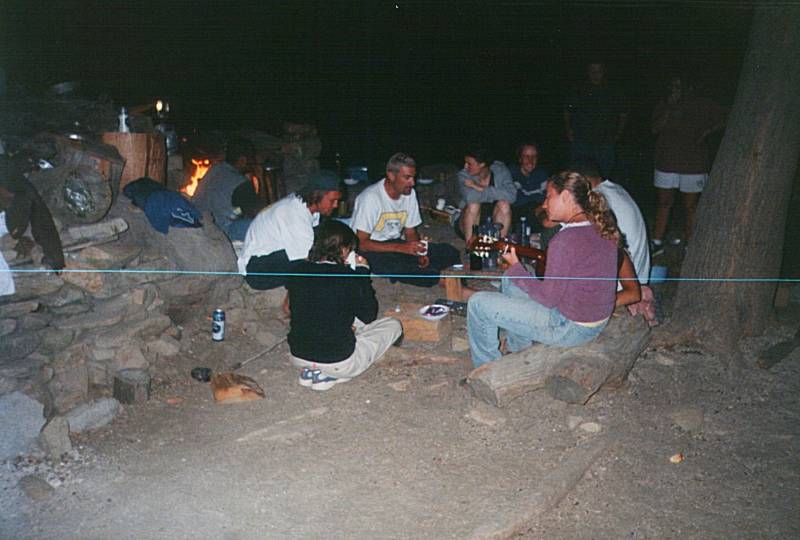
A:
(404, 451)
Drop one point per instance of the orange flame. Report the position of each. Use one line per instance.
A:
(201, 167)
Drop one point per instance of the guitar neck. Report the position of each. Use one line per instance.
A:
(522, 251)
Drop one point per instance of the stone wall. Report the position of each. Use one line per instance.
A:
(64, 336)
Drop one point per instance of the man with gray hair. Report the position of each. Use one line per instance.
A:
(385, 219)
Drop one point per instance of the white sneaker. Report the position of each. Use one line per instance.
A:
(323, 382)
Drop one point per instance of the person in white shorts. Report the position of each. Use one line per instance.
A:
(682, 123)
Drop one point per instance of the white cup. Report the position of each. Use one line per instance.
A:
(425, 250)
(440, 204)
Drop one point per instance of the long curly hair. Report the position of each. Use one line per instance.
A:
(591, 202)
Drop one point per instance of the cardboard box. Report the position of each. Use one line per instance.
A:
(416, 328)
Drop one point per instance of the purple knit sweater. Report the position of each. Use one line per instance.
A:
(575, 252)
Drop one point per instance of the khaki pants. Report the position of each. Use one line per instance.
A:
(372, 341)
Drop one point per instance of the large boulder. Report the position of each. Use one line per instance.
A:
(21, 419)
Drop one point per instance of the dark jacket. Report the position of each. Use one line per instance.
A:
(23, 206)
(323, 307)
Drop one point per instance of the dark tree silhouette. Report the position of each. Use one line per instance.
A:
(739, 230)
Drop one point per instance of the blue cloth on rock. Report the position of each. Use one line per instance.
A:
(164, 208)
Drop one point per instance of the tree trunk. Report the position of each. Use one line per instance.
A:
(739, 229)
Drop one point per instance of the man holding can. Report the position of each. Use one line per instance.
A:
(385, 219)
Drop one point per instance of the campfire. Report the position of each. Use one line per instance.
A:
(201, 167)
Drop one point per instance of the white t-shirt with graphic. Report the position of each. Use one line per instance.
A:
(383, 217)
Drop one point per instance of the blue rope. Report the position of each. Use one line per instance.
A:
(405, 276)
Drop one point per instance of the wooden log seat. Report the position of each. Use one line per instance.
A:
(571, 374)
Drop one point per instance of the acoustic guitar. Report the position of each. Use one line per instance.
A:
(483, 245)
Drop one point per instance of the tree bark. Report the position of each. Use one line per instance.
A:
(739, 229)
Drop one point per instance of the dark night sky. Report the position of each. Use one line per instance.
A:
(376, 76)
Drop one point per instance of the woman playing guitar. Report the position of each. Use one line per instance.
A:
(573, 303)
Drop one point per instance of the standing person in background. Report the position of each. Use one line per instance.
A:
(530, 179)
(682, 122)
(215, 191)
(335, 334)
(594, 119)
(483, 181)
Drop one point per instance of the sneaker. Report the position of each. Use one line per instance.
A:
(656, 248)
(675, 242)
(323, 382)
(307, 376)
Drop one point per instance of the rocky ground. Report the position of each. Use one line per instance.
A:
(686, 449)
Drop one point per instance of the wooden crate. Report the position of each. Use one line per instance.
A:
(415, 328)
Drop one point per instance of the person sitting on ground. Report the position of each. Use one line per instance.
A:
(573, 303)
(215, 191)
(530, 180)
(385, 217)
(334, 334)
(483, 181)
(282, 234)
(629, 218)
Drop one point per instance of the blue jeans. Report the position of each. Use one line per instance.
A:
(524, 320)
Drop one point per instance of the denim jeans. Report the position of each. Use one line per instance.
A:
(525, 321)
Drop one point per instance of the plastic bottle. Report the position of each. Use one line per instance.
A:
(487, 228)
(524, 232)
(123, 121)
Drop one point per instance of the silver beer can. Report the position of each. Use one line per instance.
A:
(218, 325)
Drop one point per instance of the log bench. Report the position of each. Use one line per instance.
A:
(571, 374)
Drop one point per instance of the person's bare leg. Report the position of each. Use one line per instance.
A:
(666, 198)
(502, 214)
(469, 217)
(690, 201)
